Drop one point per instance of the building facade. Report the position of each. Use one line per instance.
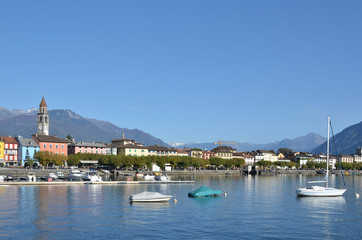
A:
(2, 153)
(10, 151)
(27, 148)
(84, 147)
(51, 144)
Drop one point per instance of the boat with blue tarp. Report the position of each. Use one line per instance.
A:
(204, 191)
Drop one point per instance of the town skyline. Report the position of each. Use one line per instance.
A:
(188, 71)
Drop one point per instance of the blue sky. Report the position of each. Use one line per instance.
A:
(187, 71)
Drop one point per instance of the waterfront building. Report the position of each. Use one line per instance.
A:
(208, 154)
(43, 118)
(27, 148)
(358, 156)
(10, 151)
(51, 144)
(2, 154)
(110, 149)
(249, 159)
(84, 147)
(161, 151)
(194, 152)
(132, 150)
(181, 153)
(265, 155)
(303, 158)
(225, 152)
(347, 158)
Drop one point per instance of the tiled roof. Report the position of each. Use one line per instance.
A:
(86, 144)
(159, 148)
(43, 103)
(9, 140)
(27, 142)
(131, 146)
(48, 138)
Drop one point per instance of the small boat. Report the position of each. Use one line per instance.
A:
(204, 191)
(2, 178)
(53, 176)
(138, 174)
(76, 175)
(9, 178)
(149, 197)
(60, 175)
(31, 177)
(92, 177)
(162, 177)
(149, 177)
(320, 191)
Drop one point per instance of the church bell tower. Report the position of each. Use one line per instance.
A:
(43, 118)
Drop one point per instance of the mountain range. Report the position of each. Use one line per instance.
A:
(64, 122)
(303, 144)
(344, 142)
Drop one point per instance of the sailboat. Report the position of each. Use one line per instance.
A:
(320, 191)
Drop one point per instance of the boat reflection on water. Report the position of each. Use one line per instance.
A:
(322, 201)
(151, 205)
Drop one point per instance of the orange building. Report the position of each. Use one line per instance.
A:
(51, 144)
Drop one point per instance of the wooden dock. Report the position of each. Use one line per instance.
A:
(57, 183)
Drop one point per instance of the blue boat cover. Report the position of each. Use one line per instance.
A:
(204, 191)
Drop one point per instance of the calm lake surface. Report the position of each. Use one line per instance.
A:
(258, 207)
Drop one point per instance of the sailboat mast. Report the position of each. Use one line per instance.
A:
(329, 122)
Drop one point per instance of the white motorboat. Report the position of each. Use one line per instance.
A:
(75, 175)
(138, 174)
(320, 191)
(162, 177)
(53, 176)
(149, 177)
(31, 177)
(92, 177)
(60, 175)
(149, 197)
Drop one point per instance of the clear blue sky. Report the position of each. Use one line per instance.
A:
(186, 71)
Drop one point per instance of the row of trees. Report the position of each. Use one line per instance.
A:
(146, 161)
(268, 164)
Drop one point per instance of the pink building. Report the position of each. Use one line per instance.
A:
(83, 147)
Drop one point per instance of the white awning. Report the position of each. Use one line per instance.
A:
(89, 161)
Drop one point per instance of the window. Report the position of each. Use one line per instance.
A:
(56, 146)
(11, 146)
(62, 146)
(6, 146)
(50, 145)
(45, 146)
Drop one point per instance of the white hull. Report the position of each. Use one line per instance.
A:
(149, 197)
(153, 200)
(320, 192)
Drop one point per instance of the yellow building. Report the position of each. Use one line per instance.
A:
(2, 152)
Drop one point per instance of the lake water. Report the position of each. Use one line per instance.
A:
(256, 207)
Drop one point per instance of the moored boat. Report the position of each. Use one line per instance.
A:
(321, 191)
(149, 177)
(204, 191)
(92, 177)
(149, 197)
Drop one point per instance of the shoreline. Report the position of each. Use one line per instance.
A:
(21, 172)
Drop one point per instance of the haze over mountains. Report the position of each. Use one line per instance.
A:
(303, 144)
(64, 122)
